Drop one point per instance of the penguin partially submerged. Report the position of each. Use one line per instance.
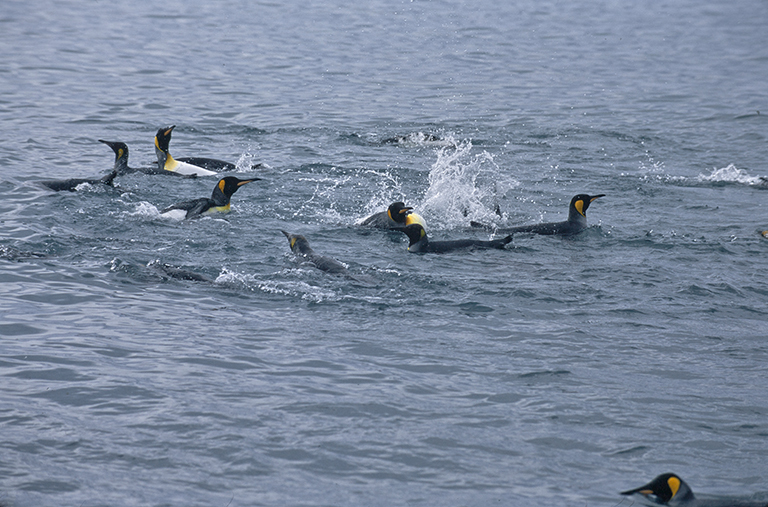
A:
(185, 165)
(670, 489)
(219, 202)
(397, 215)
(577, 220)
(121, 161)
(300, 246)
(72, 183)
(420, 242)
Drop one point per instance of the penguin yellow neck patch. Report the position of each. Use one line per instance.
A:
(579, 205)
(674, 485)
(293, 242)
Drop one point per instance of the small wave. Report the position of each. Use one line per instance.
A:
(291, 288)
(732, 174)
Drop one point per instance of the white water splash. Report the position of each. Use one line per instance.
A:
(146, 210)
(390, 189)
(464, 186)
(731, 174)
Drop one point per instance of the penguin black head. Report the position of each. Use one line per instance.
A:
(580, 203)
(163, 138)
(398, 211)
(664, 488)
(227, 186)
(120, 149)
(415, 233)
(299, 243)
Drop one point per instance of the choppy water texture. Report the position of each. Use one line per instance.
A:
(555, 372)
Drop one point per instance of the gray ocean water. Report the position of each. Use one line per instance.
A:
(559, 371)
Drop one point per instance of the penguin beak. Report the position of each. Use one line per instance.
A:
(286, 234)
(240, 183)
(641, 490)
(591, 199)
(406, 209)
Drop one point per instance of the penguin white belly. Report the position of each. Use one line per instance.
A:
(175, 214)
(187, 169)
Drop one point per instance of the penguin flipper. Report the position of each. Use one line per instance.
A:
(187, 205)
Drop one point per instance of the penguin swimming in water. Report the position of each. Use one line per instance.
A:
(166, 270)
(187, 165)
(413, 138)
(300, 246)
(420, 243)
(121, 162)
(397, 215)
(669, 489)
(217, 203)
(577, 220)
(72, 183)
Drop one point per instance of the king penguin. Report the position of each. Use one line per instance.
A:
(419, 241)
(300, 246)
(669, 489)
(121, 161)
(187, 165)
(217, 203)
(397, 215)
(72, 183)
(577, 220)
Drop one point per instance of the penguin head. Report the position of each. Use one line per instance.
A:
(121, 155)
(580, 203)
(299, 243)
(664, 488)
(226, 187)
(163, 138)
(415, 233)
(397, 212)
(120, 149)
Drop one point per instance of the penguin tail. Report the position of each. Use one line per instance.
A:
(109, 178)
